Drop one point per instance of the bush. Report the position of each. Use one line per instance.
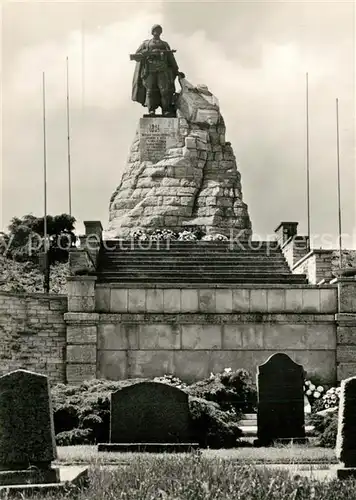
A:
(65, 418)
(82, 413)
(74, 437)
(213, 427)
(232, 390)
(325, 428)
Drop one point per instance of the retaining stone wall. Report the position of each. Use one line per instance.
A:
(33, 334)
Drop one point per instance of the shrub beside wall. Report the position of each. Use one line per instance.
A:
(82, 413)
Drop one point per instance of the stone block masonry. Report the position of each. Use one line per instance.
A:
(192, 331)
(33, 334)
(124, 332)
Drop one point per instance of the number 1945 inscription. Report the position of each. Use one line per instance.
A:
(154, 127)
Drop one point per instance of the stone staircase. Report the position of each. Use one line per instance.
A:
(248, 425)
(198, 262)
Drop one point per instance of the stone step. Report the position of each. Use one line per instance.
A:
(194, 262)
(179, 273)
(250, 416)
(173, 251)
(200, 243)
(193, 267)
(183, 246)
(251, 430)
(192, 256)
(232, 280)
(198, 255)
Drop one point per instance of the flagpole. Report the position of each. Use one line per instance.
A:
(68, 144)
(83, 66)
(45, 231)
(308, 166)
(338, 179)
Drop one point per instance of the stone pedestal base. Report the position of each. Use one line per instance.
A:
(29, 476)
(346, 472)
(72, 475)
(148, 447)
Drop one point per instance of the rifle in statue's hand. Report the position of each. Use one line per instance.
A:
(150, 53)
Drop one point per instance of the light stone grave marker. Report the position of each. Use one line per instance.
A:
(156, 136)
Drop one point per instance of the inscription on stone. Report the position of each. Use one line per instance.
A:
(156, 136)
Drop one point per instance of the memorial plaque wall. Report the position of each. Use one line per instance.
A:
(156, 136)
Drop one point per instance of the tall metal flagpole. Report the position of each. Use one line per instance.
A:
(83, 66)
(338, 178)
(308, 166)
(68, 145)
(45, 231)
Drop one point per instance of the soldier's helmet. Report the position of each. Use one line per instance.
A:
(156, 27)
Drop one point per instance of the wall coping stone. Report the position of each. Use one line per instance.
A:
(346, 279)
(242, 286)
(296, 237)
(346, 318)
(35, 295)
(314, 251)
(215, 318)
(81, 317)
(82, 278)
(283, 223)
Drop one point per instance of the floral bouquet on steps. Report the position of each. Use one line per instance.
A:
(313, 395)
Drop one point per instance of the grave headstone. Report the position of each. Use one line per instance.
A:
(27, 443)
(346, 430)
(149, 415)
(280, 413)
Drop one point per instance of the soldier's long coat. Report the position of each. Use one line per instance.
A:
(138, 88)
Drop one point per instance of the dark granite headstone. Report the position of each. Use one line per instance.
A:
(27, 443)
(280, 413)
(149, 412)
(346, 430)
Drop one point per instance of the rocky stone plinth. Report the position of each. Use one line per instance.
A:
(181, 172)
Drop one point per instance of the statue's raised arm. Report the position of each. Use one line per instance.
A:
(155, 73)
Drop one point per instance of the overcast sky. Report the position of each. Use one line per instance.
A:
(253, 56)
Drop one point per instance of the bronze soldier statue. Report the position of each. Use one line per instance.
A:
(155, 72)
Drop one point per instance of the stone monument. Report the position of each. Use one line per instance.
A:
(27, 443)
(346, 430)
(280, 410)
(149, 416)
(180, 170)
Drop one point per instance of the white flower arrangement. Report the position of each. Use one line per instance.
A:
(311, 391)
(139, 234)
(163, 234)
(215, 237)
(171, 380)
(187, 236)
(331, 398)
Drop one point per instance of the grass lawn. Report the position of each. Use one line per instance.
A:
(196, 477)
(289, 454)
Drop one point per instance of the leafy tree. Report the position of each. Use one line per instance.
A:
(25, 239)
